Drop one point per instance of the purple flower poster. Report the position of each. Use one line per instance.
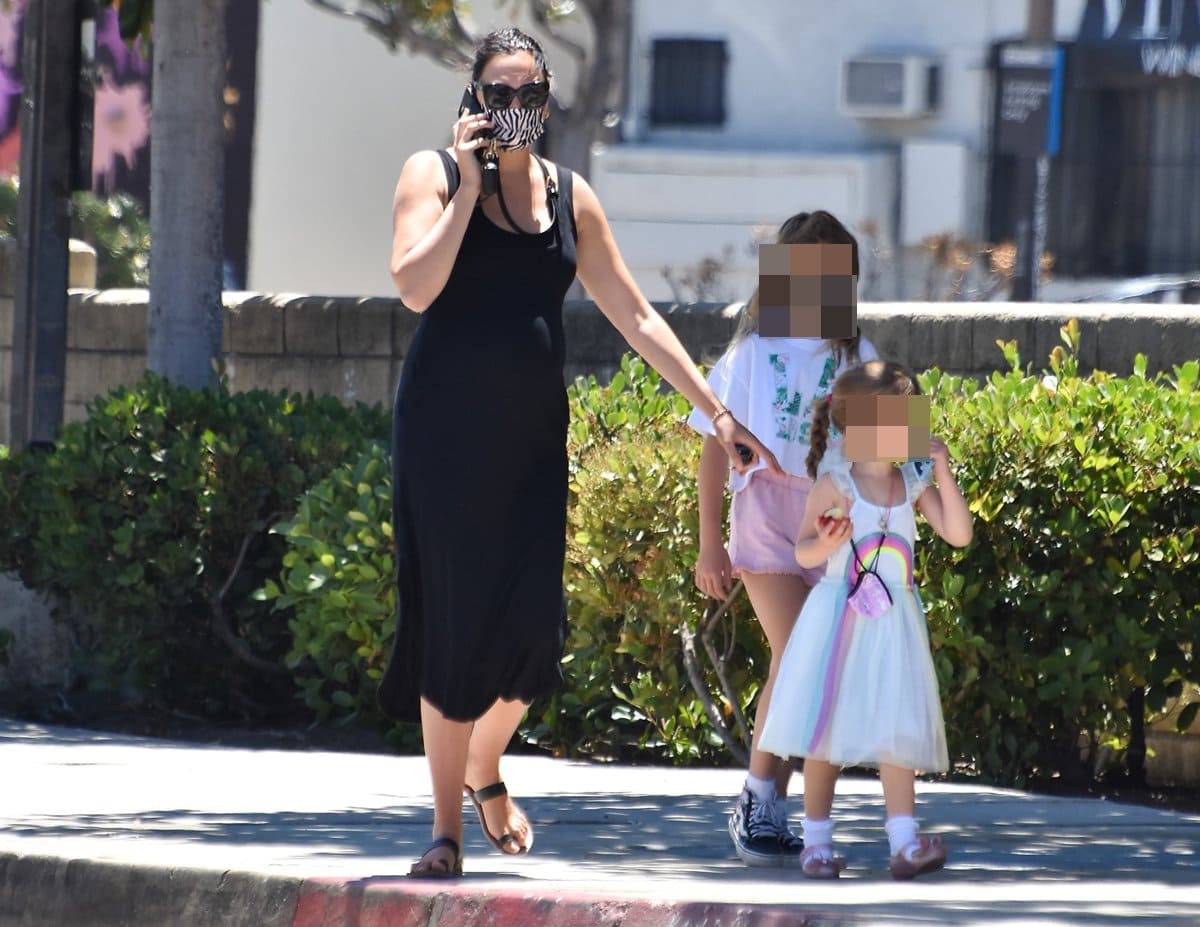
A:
(121, 136)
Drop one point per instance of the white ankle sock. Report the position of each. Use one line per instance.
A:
(817, 833)
(762, 789)
(901, 830)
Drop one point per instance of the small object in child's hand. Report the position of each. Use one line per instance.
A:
(744, 452)
(830, 515)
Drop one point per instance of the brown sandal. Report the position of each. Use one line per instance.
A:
(451, 871)
(487, 793)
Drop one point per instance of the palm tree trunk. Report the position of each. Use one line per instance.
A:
(187, 190)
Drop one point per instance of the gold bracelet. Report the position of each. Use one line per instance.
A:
(720, 412)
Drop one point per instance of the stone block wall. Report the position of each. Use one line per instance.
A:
(354, 348)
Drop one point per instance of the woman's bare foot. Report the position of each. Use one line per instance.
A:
(504, 823)
(443, 860)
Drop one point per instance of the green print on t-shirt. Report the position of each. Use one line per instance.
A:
(790, 424)
(786, 409)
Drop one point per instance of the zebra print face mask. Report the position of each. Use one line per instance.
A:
(517, 127)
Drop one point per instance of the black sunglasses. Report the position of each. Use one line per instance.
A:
(534, 95)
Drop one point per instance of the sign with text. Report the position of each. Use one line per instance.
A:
(1029, 100)
(1159, 38)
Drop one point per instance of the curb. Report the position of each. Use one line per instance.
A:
(55, 892)
(401, 902)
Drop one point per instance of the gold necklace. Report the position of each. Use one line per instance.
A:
(887, 512)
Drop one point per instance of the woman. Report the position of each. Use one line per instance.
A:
(479, 433)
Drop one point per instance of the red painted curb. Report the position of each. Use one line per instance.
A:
(400, 902)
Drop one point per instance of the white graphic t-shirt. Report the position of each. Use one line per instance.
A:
(771, 385)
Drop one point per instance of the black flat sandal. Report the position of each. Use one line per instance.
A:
(451, 871)
(487, 793)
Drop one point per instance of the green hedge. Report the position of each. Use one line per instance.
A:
(1080, 590)
(633, 533)
(632, 522)
(148, 523)
(115, 225)
(1081, 584)
(338, 584)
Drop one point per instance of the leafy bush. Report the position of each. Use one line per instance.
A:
(148, 523)
(338, 580)
(635, 682)
(1081, 587)
(633, 533)
(10, 197)
(116, 226)
(1083, 582)
(637, 685)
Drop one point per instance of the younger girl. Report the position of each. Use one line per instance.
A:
(771, 384)
(856, 684)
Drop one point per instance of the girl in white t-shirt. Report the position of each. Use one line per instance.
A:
(771, 384)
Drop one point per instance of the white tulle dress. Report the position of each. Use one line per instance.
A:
(855, 690)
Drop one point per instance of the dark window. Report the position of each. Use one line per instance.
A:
(688, 83)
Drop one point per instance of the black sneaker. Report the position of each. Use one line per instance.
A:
(756, 835)
(791, 844)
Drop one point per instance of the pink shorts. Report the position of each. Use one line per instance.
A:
(765, 519)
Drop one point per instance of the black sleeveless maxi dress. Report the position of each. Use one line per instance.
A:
(479, 475)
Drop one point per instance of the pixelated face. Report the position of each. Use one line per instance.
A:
(892, 428)
(807, 291)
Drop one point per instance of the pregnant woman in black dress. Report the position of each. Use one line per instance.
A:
(479, 436)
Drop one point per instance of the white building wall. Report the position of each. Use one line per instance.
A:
(671, 208)
(338, 113)
(337, 116)
(786, 145)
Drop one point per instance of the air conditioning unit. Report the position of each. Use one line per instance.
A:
(889, 86)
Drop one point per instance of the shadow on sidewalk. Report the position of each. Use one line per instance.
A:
(992, 836)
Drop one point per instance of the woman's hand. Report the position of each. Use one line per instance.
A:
(465, 133)
(731, 433)
(714, 572)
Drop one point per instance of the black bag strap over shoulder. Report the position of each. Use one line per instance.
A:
(451, 167)
(554, 199)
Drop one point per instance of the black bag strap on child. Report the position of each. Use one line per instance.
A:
(864, 571)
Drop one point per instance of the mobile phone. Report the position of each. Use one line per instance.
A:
(470, 104)
(485, 153)
(744, 452)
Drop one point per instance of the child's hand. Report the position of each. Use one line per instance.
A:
(714, 572)
(939, 454)
(834, 528)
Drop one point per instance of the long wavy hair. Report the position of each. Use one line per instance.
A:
(808, 228)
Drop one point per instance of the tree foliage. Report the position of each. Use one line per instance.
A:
(438, 29)
(134, 17)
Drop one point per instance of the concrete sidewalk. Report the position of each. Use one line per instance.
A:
(101, 829)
